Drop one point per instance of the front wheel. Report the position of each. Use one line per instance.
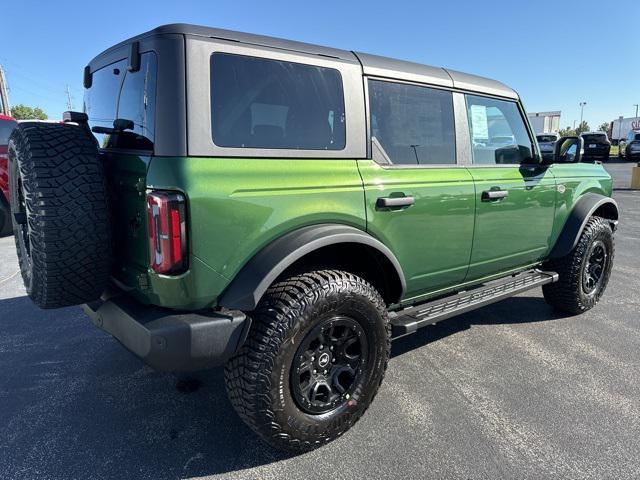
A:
(316, 354)
(585, 271)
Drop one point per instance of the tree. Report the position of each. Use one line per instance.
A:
(23, 112)
(604, 127)
(567, 132)
(583, 127)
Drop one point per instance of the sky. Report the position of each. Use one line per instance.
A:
(556, 54)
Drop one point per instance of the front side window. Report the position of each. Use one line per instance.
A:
(263, 103)
(413, 124)
(498, 132)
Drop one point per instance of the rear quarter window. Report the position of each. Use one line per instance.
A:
(119, 94)
(274, 104)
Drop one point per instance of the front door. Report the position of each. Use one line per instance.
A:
(515, 197)
(419, 202)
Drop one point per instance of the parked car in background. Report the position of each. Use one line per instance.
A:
(547, 142)
(632, 148)
(596, 146)
(7, 124)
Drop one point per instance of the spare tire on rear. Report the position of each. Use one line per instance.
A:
(60, 213)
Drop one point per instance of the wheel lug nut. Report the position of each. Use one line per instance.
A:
(321, 347)
(331, 347)
(325, 372)
(333, 360)
(315, 371)
(313, 358)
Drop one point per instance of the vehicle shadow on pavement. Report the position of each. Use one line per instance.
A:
(75, 404)
(513, 310)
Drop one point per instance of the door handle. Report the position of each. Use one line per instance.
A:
(490, 195)
(395, 202)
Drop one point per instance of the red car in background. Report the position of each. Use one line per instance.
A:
(7, 124)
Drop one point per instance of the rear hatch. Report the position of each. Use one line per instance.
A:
(127, 98)
(595, 143)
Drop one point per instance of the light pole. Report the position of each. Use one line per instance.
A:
(582, 104)
(636, 105)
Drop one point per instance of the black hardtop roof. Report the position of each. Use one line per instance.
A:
(371, 64)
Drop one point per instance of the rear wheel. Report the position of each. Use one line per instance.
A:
(59, 213)
(585, 271)
(313, 362)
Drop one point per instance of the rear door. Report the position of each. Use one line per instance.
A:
(419, 201)
(515, 195)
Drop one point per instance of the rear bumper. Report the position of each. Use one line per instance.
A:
(167, 340)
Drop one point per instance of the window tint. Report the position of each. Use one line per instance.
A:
(498, 133)
(595, 138)
(137, 104)
(101, 100)
(260, 103)
(116, 93)
(6, 127)
(413, 124)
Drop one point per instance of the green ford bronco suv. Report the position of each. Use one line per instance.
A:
(287, 210)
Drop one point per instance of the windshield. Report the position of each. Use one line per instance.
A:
(6, 127)
(546, 138)
(595, 138)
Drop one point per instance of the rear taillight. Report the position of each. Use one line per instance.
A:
(166, 212)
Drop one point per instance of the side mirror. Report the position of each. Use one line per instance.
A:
(568, 150)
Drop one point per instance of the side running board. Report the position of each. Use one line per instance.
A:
(404, 322)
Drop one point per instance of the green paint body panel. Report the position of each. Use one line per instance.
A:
(432, 239)
(447, 240)
(515, 230)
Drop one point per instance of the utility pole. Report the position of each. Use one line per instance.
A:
(574, 124)
(636, 105)
(4, 96)
(69, 100)
(582, 104)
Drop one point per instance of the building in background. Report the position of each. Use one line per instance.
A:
(621, 127)
(547, 122)
(4, 96)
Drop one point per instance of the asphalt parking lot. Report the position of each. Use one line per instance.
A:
(514, 390)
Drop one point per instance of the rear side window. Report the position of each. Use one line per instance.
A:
(261, 103)
(546, 138)
(498, 132)
(119, 94)
(6, 127)
(413, 124)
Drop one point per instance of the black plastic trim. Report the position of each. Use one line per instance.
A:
(169, 340)
(409, 320)
(263, 269)
(578, 218)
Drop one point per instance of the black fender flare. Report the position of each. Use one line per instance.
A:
(246, 289)
(584, 209)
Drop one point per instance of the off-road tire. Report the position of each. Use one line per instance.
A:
(258, 378)
(58, 186)
(568, 293)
